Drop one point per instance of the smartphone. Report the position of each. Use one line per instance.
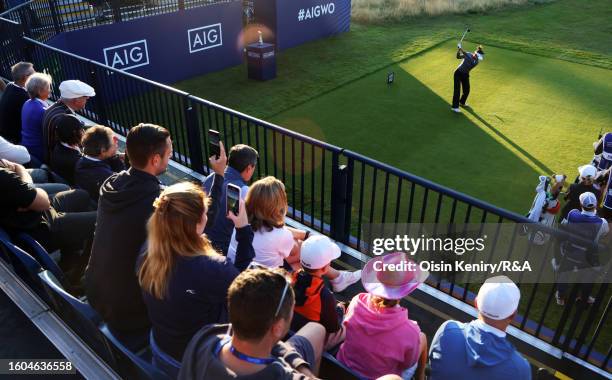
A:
(232, 199)
(213, 143)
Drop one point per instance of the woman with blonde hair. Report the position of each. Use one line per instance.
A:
(273, 241)
(184, 280)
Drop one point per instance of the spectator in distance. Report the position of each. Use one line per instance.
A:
(603, 152)
(100, 160)
(184, 280)
(578, 262)
(12, 152)
(63, 222)
(380, 337)
(13, 98)
(73, 97)
(314, 302)
(266, 204)
(585, 184)
(32, 113)
(241, 164)
(260, 305)
(479, 350)
(67, 151)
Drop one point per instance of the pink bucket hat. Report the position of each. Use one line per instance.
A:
(392, 276)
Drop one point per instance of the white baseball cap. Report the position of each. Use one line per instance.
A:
(588, 200)
(498, 298)
(72, 89)
(317, 251)
(587, 171)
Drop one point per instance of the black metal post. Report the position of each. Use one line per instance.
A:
(99, 101)
(57, 24)
(338, 200)
(116, 7)
(194, 139)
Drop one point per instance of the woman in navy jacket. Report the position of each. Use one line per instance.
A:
(183, 279)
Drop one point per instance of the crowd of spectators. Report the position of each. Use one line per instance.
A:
(586, 213)
(216, 294)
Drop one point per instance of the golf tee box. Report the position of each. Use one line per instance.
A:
(261, 61)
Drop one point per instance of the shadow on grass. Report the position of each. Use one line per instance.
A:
(409, 126)
(540, 164)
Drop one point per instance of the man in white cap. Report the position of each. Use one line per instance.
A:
(575, 256)
(479, 350)
(73, 97)
(587, 174)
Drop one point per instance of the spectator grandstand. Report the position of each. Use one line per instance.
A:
(139, 325)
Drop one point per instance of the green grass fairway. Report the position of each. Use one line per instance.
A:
(529, 115)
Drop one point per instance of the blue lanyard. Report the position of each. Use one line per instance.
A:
(244, 357)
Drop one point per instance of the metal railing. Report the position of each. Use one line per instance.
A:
(44, 19)
(330, 189)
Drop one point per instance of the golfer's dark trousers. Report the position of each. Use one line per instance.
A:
(461, 80)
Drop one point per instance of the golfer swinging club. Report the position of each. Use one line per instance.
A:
(462, 74)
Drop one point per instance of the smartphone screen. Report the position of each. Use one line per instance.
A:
(213, 143)
(232, 199)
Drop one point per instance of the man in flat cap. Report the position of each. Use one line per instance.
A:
(73, 97)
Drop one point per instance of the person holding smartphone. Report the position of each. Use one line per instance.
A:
(184, 281)
(242, 161)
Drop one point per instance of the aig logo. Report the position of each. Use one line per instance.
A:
(205, 37)
(127, 56)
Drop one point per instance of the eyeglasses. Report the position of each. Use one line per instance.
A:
(282, 299)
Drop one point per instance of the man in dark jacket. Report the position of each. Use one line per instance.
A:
(62, 221)
(67, 151)
(260, 304)
(125, 205)
(100, 160)
(12, 100)
(242, 161)
(462, 75)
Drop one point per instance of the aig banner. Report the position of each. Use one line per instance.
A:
(165, 48)
(299, 21)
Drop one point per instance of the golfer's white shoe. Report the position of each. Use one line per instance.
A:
(463, 105)
(457, 110)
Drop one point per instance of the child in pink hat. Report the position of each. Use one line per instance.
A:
(380, 338)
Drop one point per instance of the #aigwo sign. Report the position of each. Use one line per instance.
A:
(127, 56)
(205, 37)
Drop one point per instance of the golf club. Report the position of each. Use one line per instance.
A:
(467, 30)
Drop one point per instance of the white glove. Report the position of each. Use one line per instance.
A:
(459, 46)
